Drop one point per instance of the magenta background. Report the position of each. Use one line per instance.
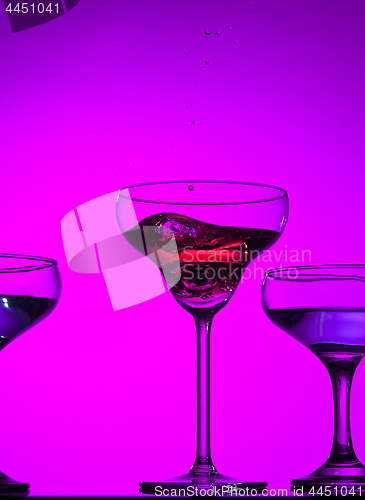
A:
(93, 401)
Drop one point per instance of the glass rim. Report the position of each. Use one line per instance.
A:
(277, 273)
(47, 262)
(274, 198)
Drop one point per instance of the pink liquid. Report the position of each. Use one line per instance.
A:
(201, 263)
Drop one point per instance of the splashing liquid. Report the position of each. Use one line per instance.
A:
(201, 263)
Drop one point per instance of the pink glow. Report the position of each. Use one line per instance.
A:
(96, 400)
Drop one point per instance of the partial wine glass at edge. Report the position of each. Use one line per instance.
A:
(323, 307)
(30, 288)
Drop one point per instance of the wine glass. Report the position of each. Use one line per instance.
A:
(29, 291)
(202, 235)
(323, 307)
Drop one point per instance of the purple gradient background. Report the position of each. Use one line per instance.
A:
(94, 401)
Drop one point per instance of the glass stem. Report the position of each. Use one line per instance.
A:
(341, 372)
(203, 463)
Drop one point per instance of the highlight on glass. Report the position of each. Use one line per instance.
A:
(30, 288)
(323, 307)
(202, 235)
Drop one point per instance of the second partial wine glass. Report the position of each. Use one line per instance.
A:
(29, 291)
(202, 235)
(323, 307)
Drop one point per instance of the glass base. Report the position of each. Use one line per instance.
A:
(334, 479)
(190, 484)
(10, 487)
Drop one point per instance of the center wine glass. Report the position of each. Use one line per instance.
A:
(202, 235)
(323, 307)
(29, 291)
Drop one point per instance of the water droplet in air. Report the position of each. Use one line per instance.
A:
(229, 28)
(185, 52)
(191, 104)
(191, 188)
(207, 32)
(235, 42)
(128, 163)
(217, 32)
(207, 63)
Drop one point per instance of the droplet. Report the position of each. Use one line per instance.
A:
(128, 163)
(207, 32)
(172, 143)
(185, 52)
(229, 28)
(217, 32)
(268, 28)
(235, 42)
(191, 104)
(207, 63)
(191, 188)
